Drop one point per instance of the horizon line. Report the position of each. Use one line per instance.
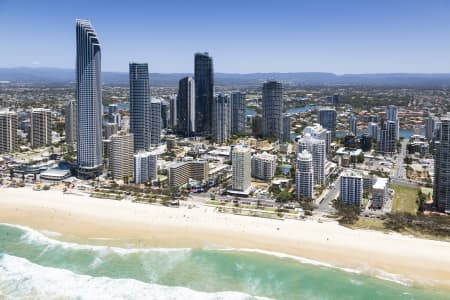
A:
(267, 72)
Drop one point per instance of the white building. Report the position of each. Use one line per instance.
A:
(264, 166)
(145, 167)
(317, 148)
(351, 188)
(241, 166)
(304, 182)
(317, 131)
(379, 192)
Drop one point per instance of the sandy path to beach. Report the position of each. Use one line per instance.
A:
(424, 261)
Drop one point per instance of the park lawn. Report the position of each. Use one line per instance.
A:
(405, 199)
(369, 224)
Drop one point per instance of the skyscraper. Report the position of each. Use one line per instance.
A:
(430, 124)
(8, 132)
(109, 129)
(327, 118)
(89, 101)
(387, 142)
(41, 127)
(238, 113)
(173, 119)
(155, 122)
(317, 148)
(221, 118)
(164, 114)
(185, 107)
(114, 114)
(71, 122)
(317, 131)
(241, 165)
(392, 115)
(286, 128)
(204, 92)
(304, 176)
(373, 130)
(441, 190)
(353, 124)
(140, 107)
(351, 188)
(336, 99)
(272, 110)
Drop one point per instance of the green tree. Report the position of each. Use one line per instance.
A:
(284, 196)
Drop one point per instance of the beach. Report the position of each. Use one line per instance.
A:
(79, 217)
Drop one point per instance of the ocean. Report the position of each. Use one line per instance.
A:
(41, 265)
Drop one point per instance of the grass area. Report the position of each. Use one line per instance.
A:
(426, 190)
(405, 199)
(369, 223)
(409, 229)
(364, 202)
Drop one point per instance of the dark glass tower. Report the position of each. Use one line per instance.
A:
(140, 106)
(185, 107)
(272, 110)
(204, 93)
(327, 118)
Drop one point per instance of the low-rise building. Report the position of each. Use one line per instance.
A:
(181, 172)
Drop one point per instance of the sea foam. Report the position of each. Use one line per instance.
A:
(20, 278)
(35, 236)
(380, 274)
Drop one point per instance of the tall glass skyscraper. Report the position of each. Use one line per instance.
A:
(204, 92)
(185, 107)
(155, 122)
(221, 118)
(441, 190)
(327, 118)
(140, 106)
(272, 109)
(89, 101)
(238, 113)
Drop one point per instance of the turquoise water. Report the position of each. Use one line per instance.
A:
(34, 266)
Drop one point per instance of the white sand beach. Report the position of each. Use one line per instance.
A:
(422, 261)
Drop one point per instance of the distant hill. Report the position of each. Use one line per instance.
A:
(67, 76)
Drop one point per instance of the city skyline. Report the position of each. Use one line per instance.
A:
(287, 36)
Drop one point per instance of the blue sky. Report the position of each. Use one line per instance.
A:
(341, 36)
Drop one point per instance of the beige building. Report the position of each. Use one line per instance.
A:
(241, 165)
(41, 127)
(8, 132)
(121, 156)
(181, 172)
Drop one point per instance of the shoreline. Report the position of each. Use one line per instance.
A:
(121, 223)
